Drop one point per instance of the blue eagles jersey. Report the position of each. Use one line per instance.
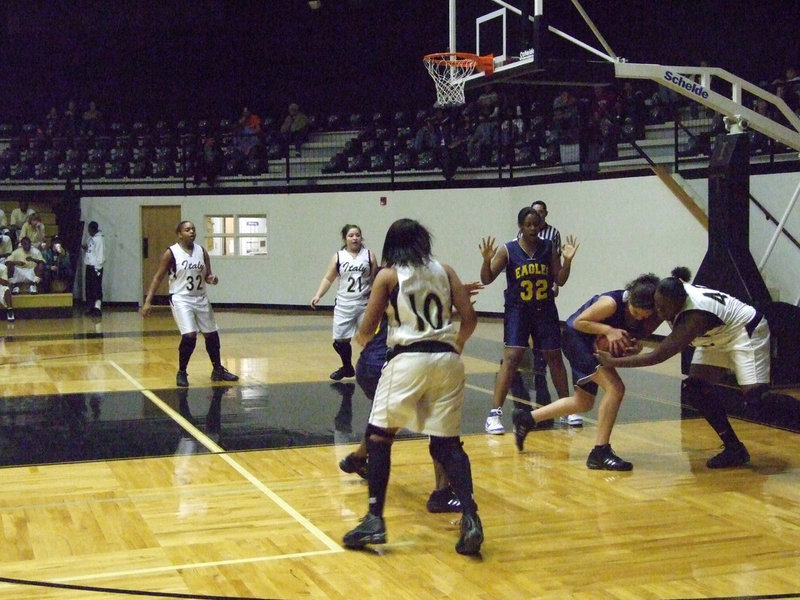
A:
(529, 280)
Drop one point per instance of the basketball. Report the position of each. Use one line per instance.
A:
(601, 343)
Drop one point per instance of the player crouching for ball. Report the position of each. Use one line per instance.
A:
(622, 318)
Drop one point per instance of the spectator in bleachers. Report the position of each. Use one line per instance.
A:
(566, 118)
(512, 132)
(25, 265)
(92, 119)
(631, 106)
(788, 88)
(5, 293)
(209, 162)
(482, 140)
(6, 244)
(71, 121)
(295, 129)
(33, 229)
(488, 103)
(427, 137)
(52, 122)
(19, 216)
(3, 218)
(58, 267)
(248, 132)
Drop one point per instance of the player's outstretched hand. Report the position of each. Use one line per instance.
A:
(569, 249)
(487, 248)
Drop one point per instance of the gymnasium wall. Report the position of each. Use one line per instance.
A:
(625, 227)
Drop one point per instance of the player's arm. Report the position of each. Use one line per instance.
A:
(494, 260)
(327, 280)
(164, 265)
(689, 326)
(561, 273)
(210, 278)
(460, 297)
(374, 266)
(385, 282)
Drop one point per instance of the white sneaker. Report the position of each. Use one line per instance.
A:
(10, 315)
(575, 420)
(15, 290)
(493, 424)
(33, 289)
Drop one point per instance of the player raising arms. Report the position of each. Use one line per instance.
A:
(623, 317)
(355, 266)
(531, 266)
(727, 334)
(189, 268)
(421, 387)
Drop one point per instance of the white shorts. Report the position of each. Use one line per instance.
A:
(193, 314)
(346, 319)
(422, 392)
(3, 290)
(748, 356)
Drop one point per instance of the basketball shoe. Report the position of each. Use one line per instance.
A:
(372, 530)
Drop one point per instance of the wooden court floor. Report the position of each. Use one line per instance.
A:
(114, 484)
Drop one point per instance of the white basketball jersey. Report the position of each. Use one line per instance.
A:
(188, 279)
(420, 308)
(733, 313)
(355, 277)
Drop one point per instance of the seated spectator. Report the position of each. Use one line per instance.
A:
(248, 132)
(19, 215)
(566, 118)
(71, 120)
(788, 88)
(488, 103)
(483, 140)
(6, 244)
(58, 267)
(92, 119)
(295, 129)
(5, 293)
(33, 229)
(52, 122)
(208, 163)
(25, 265)
(427, 137)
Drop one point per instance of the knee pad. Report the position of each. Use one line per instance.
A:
(752, 396)
(212, 340)
(340, 346)
(444, 449)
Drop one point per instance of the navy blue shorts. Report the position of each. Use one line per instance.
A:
(579, 350)
(521, 323)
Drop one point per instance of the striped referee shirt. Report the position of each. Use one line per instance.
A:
(552, 234)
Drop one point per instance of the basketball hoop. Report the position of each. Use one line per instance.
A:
(450, 70)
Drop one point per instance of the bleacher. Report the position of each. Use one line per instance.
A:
(40, 304)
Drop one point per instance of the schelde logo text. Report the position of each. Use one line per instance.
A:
(687, 84)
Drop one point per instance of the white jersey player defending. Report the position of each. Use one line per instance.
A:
(727, 334)
(355, 266)
(189, 268)
(421, 386)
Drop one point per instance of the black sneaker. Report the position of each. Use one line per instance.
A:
(343, 372)
(605, 459)
(471, 535)
(354, 464)
(443, 501)
(372, 530)
(182, 379)
(731, 456)
(220, 373)
(523, 425)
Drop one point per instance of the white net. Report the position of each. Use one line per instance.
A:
(449, 72)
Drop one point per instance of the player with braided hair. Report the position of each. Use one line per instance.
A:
(727, 335)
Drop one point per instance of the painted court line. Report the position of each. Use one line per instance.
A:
(213, 447)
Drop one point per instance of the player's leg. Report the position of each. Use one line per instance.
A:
(602, 456)
(372, 529)
(512, 356)
(207, 324)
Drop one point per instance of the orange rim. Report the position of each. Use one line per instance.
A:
(484, 64)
